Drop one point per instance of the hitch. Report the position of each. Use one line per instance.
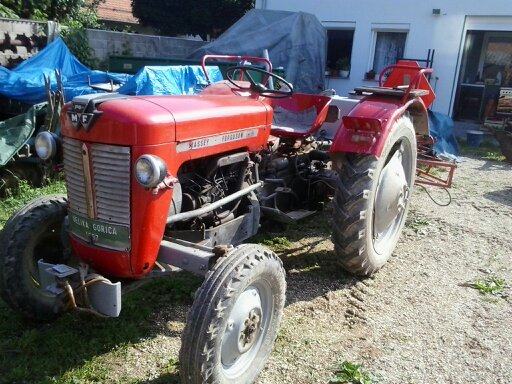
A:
(84, 291)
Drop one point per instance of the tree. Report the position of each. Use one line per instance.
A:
(74, 15)
(195, 17)
(78, 12)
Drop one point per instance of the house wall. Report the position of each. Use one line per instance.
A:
(445, 33)
(106, 43)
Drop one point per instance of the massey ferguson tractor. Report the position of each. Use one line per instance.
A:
(157, 184)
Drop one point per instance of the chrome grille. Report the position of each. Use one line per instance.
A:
(110, 172)
(74, 170)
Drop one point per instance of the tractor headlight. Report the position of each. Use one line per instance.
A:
(150, 170)
(46, 145)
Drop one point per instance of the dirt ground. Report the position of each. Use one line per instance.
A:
(418, 320)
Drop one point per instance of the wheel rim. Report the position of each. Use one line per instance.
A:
(392, 197)
(246, 329)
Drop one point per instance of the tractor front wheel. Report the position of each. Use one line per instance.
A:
(371, 201)
(234, 320)
(33, 233)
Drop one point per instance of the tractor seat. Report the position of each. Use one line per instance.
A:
(387, 91)
(299, 115)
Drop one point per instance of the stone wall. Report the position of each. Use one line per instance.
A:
(111, 43)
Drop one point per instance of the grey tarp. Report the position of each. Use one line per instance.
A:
(295, 41)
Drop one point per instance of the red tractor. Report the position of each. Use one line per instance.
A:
(160, 183)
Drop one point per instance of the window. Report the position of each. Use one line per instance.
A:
(389, 47)
(339, 50)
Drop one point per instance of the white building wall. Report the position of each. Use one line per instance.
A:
(444, 32)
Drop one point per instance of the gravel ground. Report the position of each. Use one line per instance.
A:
(417, 320)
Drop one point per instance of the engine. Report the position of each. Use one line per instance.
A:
(205, 181)
(297, 175)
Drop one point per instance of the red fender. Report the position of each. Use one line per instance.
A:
(366, 128)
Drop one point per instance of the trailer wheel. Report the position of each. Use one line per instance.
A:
(372, 199)
(31, 234)
(234, 320)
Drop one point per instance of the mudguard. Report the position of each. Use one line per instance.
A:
(366, 128)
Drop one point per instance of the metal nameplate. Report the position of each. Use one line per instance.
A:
(100, 233)
(211, 141)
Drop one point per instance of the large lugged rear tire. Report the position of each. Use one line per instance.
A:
(234, 320)
(31, 234)
(372, 199)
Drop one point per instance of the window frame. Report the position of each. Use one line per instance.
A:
(373, 45)
(340, 26)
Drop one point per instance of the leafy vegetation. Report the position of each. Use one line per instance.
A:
(351, 373)
(416, 223)
(23, 194)
(492, 285)
(74, 15)
(195, 17)
(278, 243)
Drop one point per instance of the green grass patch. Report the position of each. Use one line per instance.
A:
(78, 348)
(485, 151)
(491, 285)
(25, 193)
(351, 373)
(278, 243)
(416, 223)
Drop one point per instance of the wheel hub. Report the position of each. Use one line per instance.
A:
(391, 196)
(243, 332)
(249, 331)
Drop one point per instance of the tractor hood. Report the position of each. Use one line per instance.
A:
(148, 120)
(205, 115)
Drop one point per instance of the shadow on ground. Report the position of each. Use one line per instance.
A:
(65, 351)
(503, 196)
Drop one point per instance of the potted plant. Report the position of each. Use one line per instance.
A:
(343, 65)
(370, 75)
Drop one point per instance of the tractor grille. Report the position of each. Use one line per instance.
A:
(110, 176)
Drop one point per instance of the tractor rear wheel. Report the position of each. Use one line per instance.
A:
(372, 199)
(234, 320)
(31, 234)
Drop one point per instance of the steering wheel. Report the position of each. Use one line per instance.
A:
(259, 87)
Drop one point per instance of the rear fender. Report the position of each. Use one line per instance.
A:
(366, 128)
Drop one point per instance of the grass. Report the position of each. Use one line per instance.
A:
(278, 243)
(80, 348)
(491, 285)
(485, 151)
(16, 199)
(351, 373)
(416, 223)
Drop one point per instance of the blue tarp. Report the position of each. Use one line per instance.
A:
(169, 80)
(26, 82)
(441, 128)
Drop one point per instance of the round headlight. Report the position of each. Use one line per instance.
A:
(150, 170)
(46, 145)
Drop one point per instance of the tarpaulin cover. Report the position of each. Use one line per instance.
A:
(441, 129)
(16, 131)
(26, 82)
(295, 41)
(169, 80)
